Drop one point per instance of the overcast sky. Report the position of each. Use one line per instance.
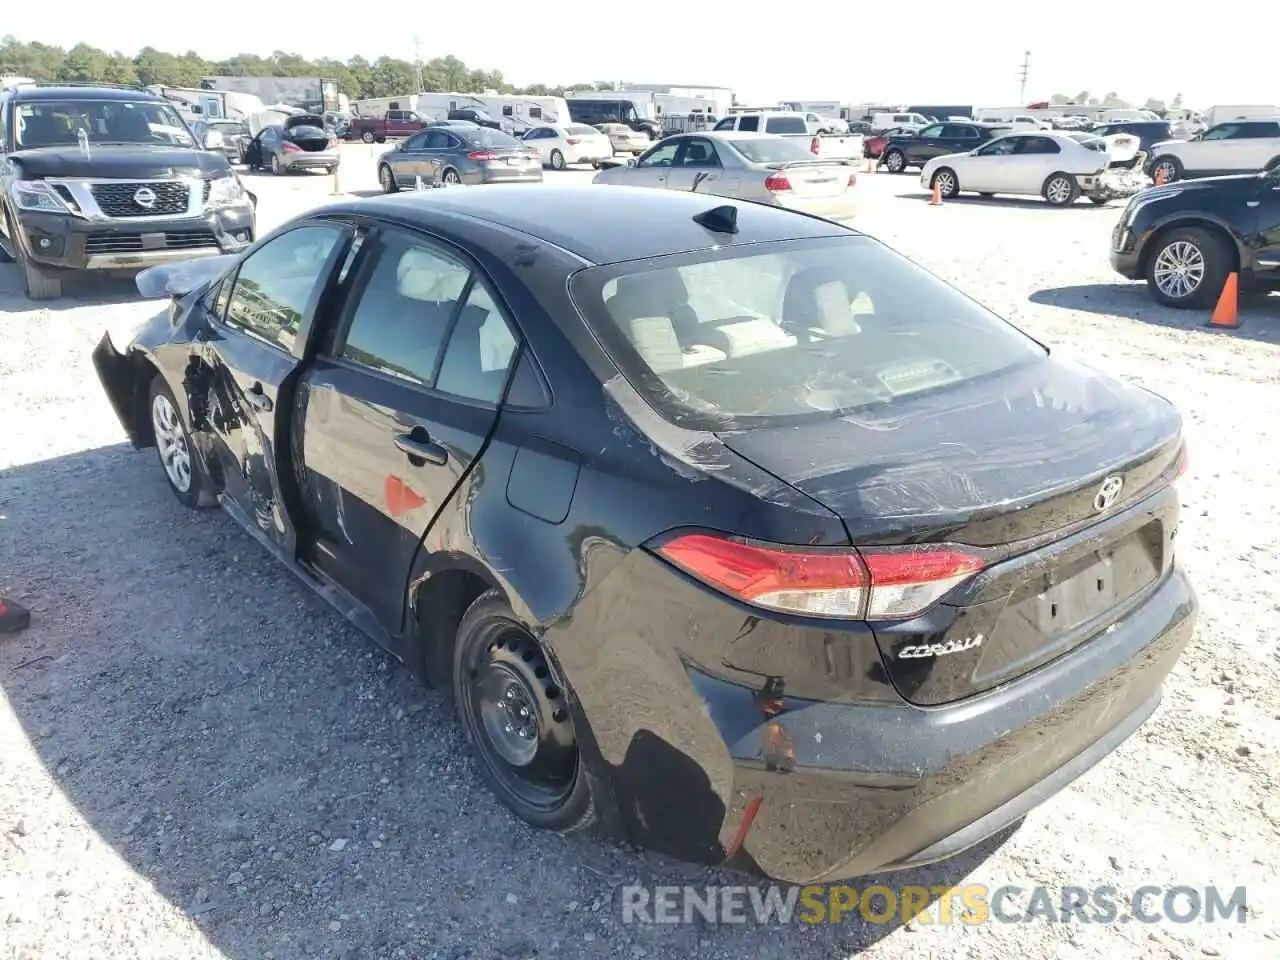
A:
(928, 51)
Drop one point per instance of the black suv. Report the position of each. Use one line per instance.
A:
(1185, 238)
(109, 180)
(936, 140)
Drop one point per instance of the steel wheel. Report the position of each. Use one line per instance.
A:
(521, 713)
(1178, 270)
(172, 445)
(895, 162)
(1169, 168)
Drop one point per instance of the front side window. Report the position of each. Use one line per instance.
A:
(790, 330)
(999, 148)
(403, 309)
(278, 283)
(933, 131)
(663, 155)
(48, 123)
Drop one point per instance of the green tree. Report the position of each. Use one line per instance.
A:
(84, 63)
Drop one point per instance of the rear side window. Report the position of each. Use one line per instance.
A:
(749, 124)
(785, 125)
(277, 284)
(794, 329)
(403, 310)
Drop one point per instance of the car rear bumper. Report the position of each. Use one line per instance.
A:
(116, 373)
(860, 782)
(839, 207)
(319, 160)
(505, 174)
(59, 242)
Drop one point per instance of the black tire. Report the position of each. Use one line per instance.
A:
(557, 160)
(5, 256)
(1060, 190)
(387, 179)
(895, 161)
(1212, 252)
(948, 184)
(499, 670)
(450, 176)
(36, 283)
(368, 136)
(1099, 201)
(1172, 167)
(986, 196)
(275, 165)
(172, 443)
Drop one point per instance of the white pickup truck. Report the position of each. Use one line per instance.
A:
(794, 126)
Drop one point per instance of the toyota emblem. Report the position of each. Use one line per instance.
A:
(1107, 493)
(145, 198)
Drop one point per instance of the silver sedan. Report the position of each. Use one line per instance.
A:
(746, 166)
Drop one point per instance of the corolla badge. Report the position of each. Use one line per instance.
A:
(924, 651)
(1107, 493)
(145, 197)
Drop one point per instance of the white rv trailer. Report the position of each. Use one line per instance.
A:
(517, 111)
(823, 108)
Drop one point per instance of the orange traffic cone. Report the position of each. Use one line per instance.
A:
(871, 164)
(936, 199)
(1224, 314)
(1159, 176)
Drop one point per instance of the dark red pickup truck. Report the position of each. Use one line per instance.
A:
(396, 124)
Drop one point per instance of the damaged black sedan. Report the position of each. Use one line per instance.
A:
(729, 529)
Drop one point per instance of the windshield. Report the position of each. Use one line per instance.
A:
(768, 150)
(50, 123)
(785, 125)
(790, 329)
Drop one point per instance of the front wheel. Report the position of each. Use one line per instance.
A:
(947, 184)
(1099, 201)
(516, 715)
(36, 283)
(1166, 170)
(1061, 190)
(895, 161)
(387, 179)
(367, 136)
(1188, 268)
(173, 445)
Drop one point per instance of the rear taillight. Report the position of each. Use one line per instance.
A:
(815, 146)
(482, 155)
(572, 141)
(891, 583)
(1184, 461)
(777, 183)
(290, 148)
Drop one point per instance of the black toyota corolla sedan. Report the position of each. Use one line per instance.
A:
(729, 529)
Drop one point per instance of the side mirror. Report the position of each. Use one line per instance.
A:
(213, 140)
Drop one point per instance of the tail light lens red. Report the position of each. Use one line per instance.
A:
(572, 141)
(1184, 461)
(815, 146)
(777, 183)
(892, 583)
(290, 148)
(482, 155)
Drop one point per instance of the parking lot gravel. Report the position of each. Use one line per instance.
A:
(198, 758)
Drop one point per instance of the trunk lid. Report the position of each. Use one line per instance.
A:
(1014, 465)
(815, 179)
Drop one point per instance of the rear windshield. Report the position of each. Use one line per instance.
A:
(785, 125)
(581, 130)
(303, 132)
(488, 137)
(766, 150)
(751, 336)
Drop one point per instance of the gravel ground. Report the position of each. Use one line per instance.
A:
(199, 759)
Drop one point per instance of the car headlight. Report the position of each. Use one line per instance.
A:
(1141, 200)
(37, 195)
(225, 190)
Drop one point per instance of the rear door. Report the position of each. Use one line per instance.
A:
(1033, 160)
(396, 409)
(261, 318)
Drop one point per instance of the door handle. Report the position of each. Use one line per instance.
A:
(420, 448)
(259, 400)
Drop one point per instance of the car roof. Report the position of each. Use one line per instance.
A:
(85, 93)
(588, 220)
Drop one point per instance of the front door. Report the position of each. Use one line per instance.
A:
(394, 412)
(697, 167)
(925, 145)
(653, 168)
(263, 314)
(987, 171)
(1267, 258)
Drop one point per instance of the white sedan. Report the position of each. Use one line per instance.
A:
(1060, 167)
(571, 143)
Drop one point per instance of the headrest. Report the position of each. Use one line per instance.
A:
(423, 276)
(818, 298)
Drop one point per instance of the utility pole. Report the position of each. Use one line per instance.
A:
(417, 63)
(1022, 77)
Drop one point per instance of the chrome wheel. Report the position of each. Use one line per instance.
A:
(945, 181)
(1058, 191)
(1166, 171)
(451, 177)
(895, 162)
(1179, 270)
(171, 442)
